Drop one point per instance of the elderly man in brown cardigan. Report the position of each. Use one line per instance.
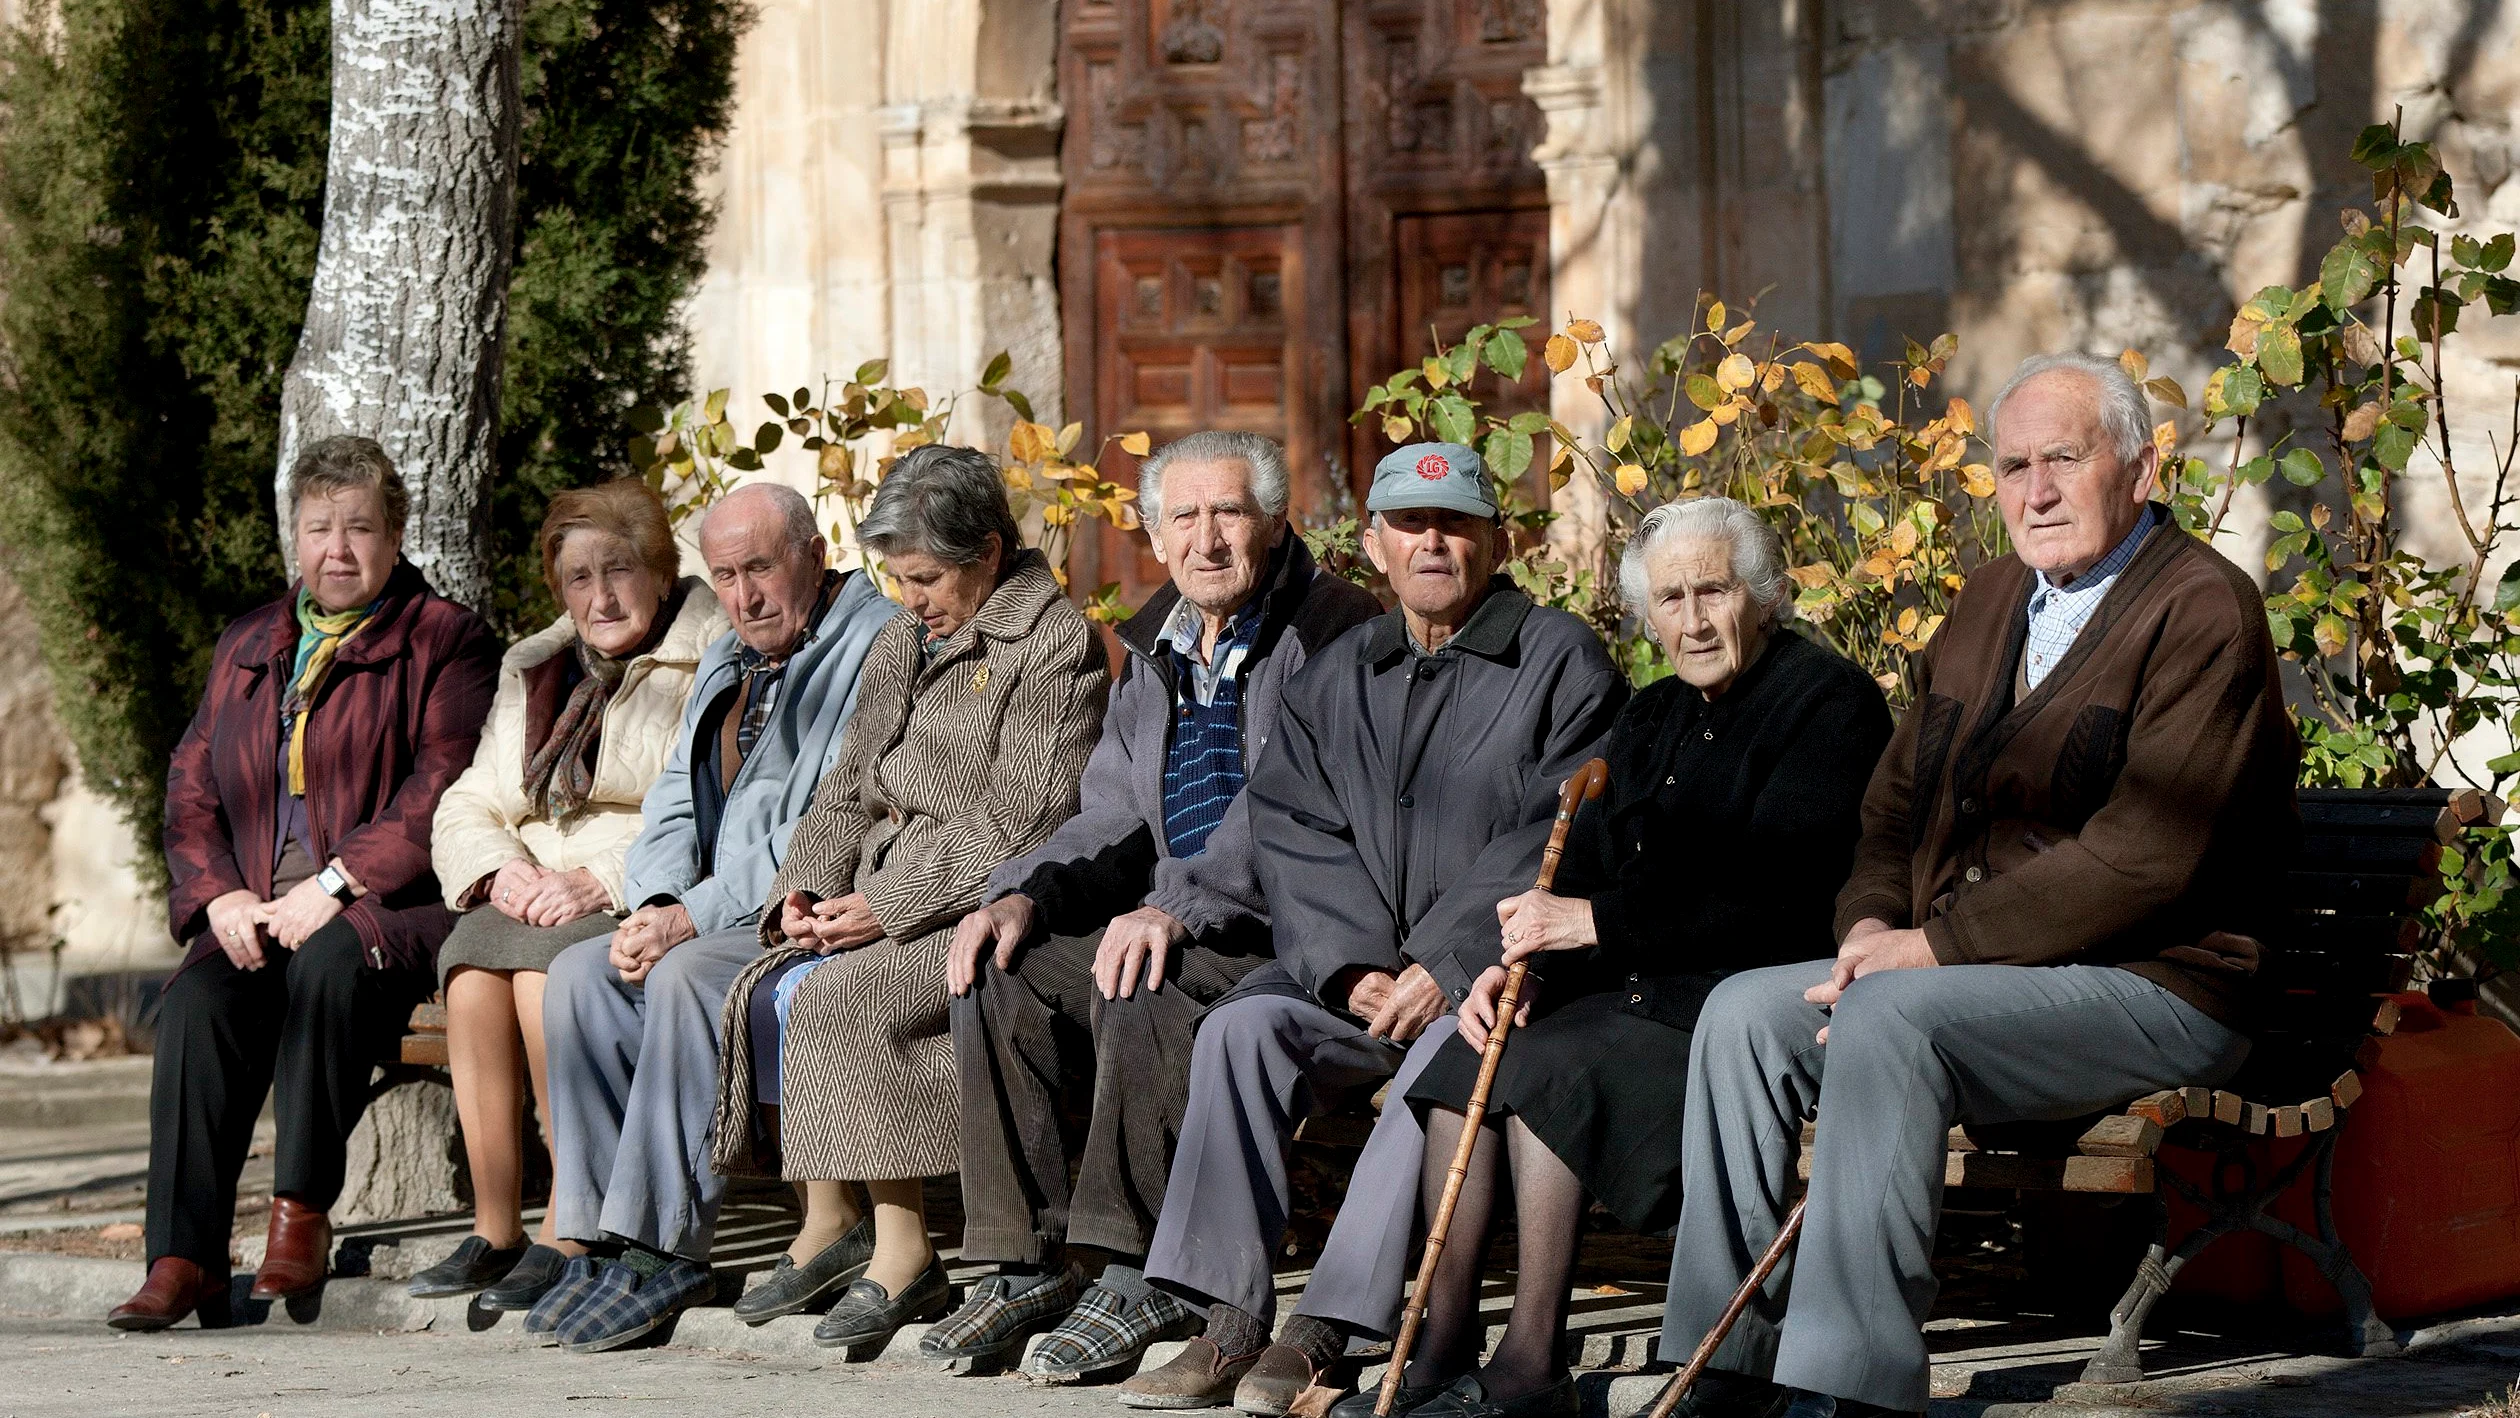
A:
(2066, 852)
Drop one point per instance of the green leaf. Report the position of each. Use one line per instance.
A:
(2302, 468)
(2376, 147)
(766, 437)
(715, 407)
(2279, 354)
(1506, 353)
(1449, 415)
(2244, 391)
(1706, 393)
(1000, 365)
(646, 418)
(872, 372)
(802, 399)
(2507, 590)
(2347, 276)
(1528, 422)
(2497, 253)
(744, 459)
(2257, 470)
(1022, 406)
(1463, 361)
(2436, 314)
(2393, 446)
(777, 405)
(2285, 521)
(1508, 454)
(2467, 250)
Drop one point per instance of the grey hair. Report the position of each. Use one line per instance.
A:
(2124, 415)
(944, 501)
(795, 512)
(1262, 455)
(1758, 553)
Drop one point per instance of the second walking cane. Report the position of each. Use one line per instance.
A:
(1579, 790)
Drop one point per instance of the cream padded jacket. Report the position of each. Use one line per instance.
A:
(483, 821)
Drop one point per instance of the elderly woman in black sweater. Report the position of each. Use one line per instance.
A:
(1718, 845)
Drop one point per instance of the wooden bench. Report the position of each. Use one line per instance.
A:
(2369, 863)
(425, 1045)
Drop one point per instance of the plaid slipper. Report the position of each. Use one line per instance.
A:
(1111, 1327)
(624, 1306)
(576, 1282)
(998, 1314)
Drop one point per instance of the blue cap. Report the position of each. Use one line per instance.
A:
(1445, 475)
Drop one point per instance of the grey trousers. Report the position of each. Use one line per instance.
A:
(1910, 1052)
(1261, 1065)
(634, 1080)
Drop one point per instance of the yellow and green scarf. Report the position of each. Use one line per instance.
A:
(320, 635)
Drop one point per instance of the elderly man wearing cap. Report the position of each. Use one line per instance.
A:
(1416, 771)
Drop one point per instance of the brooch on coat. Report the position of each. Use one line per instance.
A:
(980, 679)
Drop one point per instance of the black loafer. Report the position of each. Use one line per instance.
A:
(865, 1316)
(790, 1287)
(1468, 1398)
(474, 1265)
(527, 1281)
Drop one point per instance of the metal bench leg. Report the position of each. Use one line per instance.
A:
(2366, 1333)
(2120, 1360)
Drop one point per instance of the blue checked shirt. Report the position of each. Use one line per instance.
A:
(2058, 613)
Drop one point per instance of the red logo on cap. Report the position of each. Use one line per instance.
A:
(1433, 467)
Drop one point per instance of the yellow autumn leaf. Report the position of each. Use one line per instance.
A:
(1979, 479)
(1398, 429)
(1815, 382)
(1725, 412)
(1771, 378)
(1586, 332)
(2329, 632)
(1736, 373)
(1960, 416)
(1814, 576)
(2134, 363)
(1879, 566)
(1734, 335)
(1631, 478)
(1715, 317)
(1841, 359)
(1558, 354)
(1068, 437)
(1136, 444)
(2165, 440)
(1030, 442)
(1057, 515)
(1617, 439)
(833, 462)
(1698, 437)
(1438, 374)
(1907, 621)
(1903, 539)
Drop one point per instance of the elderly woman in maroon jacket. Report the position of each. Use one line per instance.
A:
(297, 843)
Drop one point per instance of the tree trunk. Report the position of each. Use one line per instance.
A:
(404, 326)
(405, 1158)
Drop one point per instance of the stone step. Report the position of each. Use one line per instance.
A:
(66, 1095)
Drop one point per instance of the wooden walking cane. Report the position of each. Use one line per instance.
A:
(1579, 790)
(1687, 1378)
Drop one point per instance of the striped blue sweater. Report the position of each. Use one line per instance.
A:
(1204, 768)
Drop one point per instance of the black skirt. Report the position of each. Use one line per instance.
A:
(1601, 1087)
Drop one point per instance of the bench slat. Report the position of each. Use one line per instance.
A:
(2321, 852)
(425, 1050)
(2360, 893)
(2120, 1135)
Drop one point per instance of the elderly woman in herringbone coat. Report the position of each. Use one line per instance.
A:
(979, 706)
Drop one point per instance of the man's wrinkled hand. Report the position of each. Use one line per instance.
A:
(845, 923)
(1478, 1011)
(796, 918)
(1135, 947)
(1003, 925)
(1415, 1002)
(1871, 947)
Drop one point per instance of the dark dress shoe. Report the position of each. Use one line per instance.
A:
(527, 1281)
(865, 1315)
(1721, 1393)
(1468, 1398)
(175, 1288)
(1807, 1404)
(475, 1264)
(790, 1287)
(1409, 1399)
(297, 1250)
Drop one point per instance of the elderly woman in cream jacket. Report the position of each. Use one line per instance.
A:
(530, 841)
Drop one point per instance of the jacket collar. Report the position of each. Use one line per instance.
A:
(1013, 609)
(1288, 580)
(1489, 634)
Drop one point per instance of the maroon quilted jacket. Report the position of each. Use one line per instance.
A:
(393, 724)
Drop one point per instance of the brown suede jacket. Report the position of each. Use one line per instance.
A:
(2136, 809)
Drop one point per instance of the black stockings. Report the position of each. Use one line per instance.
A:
(1548, 1213)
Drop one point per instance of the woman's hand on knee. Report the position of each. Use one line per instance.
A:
(236, 922)
(514, 886)
(307, 908)
(563, 896)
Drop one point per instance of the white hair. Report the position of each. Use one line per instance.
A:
(2124, 415)
(1263, 456)
(1758, 553)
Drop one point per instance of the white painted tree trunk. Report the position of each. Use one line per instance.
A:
(403, 328)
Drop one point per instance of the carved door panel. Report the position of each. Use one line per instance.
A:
(1203, 181)
(1266, 204)
(1447, 214)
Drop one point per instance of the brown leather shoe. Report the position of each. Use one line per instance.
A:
(1277, 1378)
(175, 1288)
(297, 1251)
(1200, 1376)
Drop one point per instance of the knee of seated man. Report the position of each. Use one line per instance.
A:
(1888, 1009)
(584, 965)
(1755, 1005)
(1243, 1029)
(331, 958)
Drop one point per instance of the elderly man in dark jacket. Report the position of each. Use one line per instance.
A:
(2067, 849)
(1411, 787)
(1099, 951)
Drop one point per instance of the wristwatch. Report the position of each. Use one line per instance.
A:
(336, 885)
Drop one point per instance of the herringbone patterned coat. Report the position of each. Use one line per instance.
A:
(952, 764)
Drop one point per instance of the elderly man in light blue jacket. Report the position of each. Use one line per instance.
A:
(631, 1019)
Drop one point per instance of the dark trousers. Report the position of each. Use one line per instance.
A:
(319, 1018)
(1017, 1036)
